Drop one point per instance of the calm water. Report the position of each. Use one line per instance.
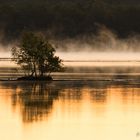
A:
(70, 110)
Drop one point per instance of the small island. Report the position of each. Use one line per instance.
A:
(33, 78)
(36, 56)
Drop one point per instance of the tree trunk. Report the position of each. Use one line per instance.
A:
(41, 71)
(35, 71)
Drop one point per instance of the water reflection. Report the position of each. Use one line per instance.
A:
(72, 109)
(35, 99)
(99, 95)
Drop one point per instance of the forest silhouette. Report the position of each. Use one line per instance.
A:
(68, 19)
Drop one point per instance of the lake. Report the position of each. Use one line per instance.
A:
(70, 110)
(97, 100)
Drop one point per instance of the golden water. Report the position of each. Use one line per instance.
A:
(70, 110)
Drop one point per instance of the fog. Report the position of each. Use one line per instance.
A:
(99, 56)
(5, 50)
(104, 40)
(104, 46)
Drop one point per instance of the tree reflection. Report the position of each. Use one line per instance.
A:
(35, 100)
(99, 92)
(99, 95)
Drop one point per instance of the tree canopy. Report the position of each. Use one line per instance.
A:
(36, 56)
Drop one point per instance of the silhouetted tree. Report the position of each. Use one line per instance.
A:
(36, 55)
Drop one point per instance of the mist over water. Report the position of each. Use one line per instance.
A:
(5, 50)
(104, 40)
(100, 56)
(104, 46)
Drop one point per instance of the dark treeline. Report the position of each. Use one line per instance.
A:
(69, 18)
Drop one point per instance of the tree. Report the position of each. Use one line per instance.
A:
(36, 56)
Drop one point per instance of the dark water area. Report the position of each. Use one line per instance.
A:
(111, 73)
(76, 109)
